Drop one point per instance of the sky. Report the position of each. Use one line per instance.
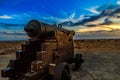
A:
(49, 11)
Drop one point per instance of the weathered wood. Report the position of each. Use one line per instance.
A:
(52, 69)
(37, 66)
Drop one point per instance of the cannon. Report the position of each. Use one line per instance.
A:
(45, 56)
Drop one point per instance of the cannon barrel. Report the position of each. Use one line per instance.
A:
(37, 29)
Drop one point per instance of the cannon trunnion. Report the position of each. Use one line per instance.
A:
(48, 52)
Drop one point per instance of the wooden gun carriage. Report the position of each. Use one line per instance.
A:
(48, 52)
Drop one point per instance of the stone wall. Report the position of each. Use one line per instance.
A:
(97, 45)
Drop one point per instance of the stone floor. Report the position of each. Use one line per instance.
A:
(4, 60)
(97, 66)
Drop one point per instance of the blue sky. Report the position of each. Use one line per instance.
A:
(49, 11)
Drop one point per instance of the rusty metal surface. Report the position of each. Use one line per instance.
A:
(37, 29)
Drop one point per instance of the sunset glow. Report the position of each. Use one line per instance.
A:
(100, 28)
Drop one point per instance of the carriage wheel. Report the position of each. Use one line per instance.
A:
(62, 72)
(78, 61)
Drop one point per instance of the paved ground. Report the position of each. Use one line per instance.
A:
(4, 60)
(97, 66)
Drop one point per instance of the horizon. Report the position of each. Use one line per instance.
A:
(93, 17)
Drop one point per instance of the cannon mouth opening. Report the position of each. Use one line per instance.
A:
(32, 28)
(31, 31)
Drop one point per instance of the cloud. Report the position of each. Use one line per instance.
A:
(27, 16)
(93, 10)
(118, 2)
(52, 19)
(83, 17)
(72, 15)
(60, 20)
(69, 18)
(72, 18)
(5, 17)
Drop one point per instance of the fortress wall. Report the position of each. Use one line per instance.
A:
(97, 45)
